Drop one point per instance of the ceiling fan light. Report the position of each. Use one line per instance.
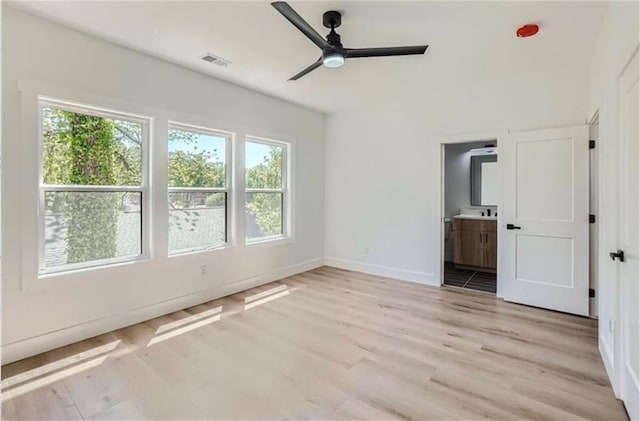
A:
(333, 60)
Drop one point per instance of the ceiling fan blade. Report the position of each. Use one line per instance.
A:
(385, 51)
(309, 69)
(293, 17)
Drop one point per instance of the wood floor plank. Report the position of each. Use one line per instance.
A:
(357, 410)
(51, 402)
(125, 410)
(8, 411)
(327, 344)
(148, 391)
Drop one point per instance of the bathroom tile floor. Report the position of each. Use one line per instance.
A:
(469, 279)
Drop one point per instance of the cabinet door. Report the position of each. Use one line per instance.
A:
(491, 250)
(469, 250)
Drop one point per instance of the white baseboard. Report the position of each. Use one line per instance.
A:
(607, 359)
(388, 272)
(55, 339)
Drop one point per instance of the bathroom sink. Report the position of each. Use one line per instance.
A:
(475, 217)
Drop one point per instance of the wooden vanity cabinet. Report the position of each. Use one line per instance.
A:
(491, 250)
(475, 244)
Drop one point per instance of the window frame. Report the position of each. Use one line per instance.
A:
(284, 190)
(143, 188)
(227, 190)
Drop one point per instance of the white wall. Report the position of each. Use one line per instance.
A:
(39, 314)
(381, 177)
(457, 186)
(619, 37)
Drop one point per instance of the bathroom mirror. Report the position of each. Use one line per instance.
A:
(484, 180)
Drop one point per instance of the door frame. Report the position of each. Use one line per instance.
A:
(438, 220)
(594, 228)
(623, 380)
(607, 273)
(608, 239)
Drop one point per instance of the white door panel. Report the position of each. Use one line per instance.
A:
(554, 251)
(546, 196)
(549, 165)
(629, 239)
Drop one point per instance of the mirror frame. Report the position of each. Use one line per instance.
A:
(476, 177)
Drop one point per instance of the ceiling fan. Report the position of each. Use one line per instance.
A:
(333, 53)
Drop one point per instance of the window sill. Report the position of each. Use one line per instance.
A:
(106, 265)
(279, 240)
(192, 252)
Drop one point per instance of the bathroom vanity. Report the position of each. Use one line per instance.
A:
(475, 242)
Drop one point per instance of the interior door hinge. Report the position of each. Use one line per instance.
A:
(592, 292)
(592, 144)
(592, 219)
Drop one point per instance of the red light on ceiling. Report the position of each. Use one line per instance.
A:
(527, 30)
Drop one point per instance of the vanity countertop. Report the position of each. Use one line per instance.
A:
(489, 218)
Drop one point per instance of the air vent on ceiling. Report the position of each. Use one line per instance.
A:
(210, 58)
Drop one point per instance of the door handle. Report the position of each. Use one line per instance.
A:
(513, 227)
(617, 255)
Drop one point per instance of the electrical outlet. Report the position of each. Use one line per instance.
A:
(203, 270)
(366, 251)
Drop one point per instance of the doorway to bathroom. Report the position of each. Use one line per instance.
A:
(542, 205)
(470, 215)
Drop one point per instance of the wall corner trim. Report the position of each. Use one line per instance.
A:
(607, 360)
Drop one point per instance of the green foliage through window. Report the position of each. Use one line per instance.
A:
(197, 216)
(264, 210)
(87, 150)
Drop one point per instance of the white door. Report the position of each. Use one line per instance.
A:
(545, 219)
(628, 235)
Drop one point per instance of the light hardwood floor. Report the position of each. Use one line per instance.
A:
(327, 344)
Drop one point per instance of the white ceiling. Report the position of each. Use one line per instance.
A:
(470, 42)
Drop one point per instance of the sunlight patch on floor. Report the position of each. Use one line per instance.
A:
(270, 291)
(187, 324)
(187, 320)
(265, 296)
(58, 370)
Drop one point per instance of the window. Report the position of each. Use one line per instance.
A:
(266, 181)
(92, 188)
(198, 188)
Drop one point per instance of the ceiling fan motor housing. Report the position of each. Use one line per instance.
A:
(331, 19)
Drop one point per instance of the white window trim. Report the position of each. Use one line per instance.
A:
(286, 190)
(143, 188)
(26, 187)
(229, 137)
